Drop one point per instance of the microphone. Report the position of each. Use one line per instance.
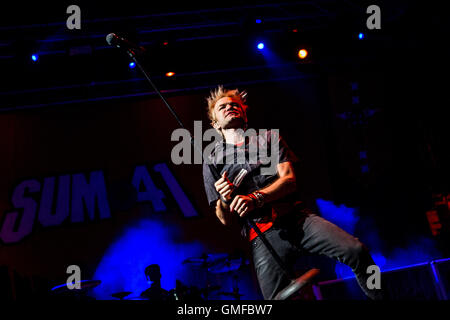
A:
(114, 40)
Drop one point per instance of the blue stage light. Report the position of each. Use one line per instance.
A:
(34, 57)
(361, 36)
(260, 46)
(132, 65)
(258, 20)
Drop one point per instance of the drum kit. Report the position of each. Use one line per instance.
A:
(223, 265)
(80, 292)
(217, 264)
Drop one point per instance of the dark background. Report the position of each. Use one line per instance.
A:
(80, 108)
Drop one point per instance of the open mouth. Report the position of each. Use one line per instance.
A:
(231, 113)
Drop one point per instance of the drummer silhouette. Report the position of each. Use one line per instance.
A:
(155, 292)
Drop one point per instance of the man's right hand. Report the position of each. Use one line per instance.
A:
(224, 187)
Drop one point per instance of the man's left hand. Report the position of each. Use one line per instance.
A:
(242, 205)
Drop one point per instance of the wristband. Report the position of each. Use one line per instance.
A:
(258, 197)
(228, 202)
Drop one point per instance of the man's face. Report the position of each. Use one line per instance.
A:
(229, 113)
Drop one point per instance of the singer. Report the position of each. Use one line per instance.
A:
(271, 202)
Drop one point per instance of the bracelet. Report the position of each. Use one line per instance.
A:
(228, 202)
(258, 197)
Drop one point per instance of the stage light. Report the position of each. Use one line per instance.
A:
(260, 46)
(258, 20)
(34, 57)
(170, 74)
(302, 53)
(361, 36)
(132, 65)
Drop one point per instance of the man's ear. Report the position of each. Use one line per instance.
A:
(215, 125)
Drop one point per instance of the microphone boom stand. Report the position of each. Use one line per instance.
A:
(296, 284)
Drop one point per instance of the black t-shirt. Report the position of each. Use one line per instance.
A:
(155, 293)
(258, 159)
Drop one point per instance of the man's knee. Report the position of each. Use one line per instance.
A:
(358, 248)
(357, 251)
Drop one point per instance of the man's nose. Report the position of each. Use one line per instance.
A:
(230, 106)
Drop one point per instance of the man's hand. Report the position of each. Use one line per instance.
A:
(242, 205)
(224, 187)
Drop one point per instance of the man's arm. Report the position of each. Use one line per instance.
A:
(224, 187)
(223, 213)
(284, 185)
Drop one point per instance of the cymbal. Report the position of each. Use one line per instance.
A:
(136, 298)
(121, 295)
(206, 260)
(84, 286)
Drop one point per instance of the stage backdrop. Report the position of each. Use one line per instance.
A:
(92, 184)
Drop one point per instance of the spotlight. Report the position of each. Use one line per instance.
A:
(302, 53)
(132, 65)
(34, 57)
(361, 36)
(258, 20)
(170, 74)
(260, 46)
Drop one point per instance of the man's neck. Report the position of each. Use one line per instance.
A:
(233, 135)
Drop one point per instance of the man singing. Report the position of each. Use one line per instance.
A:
(249, 189)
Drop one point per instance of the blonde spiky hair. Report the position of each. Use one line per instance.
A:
(219, 93)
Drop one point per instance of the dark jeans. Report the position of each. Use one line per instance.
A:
(297, 233)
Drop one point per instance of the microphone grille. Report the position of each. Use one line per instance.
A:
(111, 38)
